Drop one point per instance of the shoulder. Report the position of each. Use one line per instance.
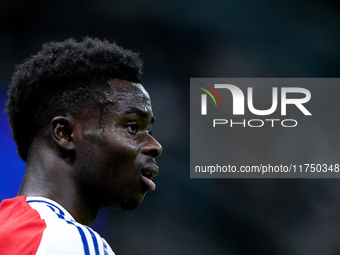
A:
(63, 235)
(69, 237)
(41, 226)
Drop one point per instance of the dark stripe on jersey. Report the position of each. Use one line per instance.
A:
(41, 201)
(94, 239)
(83, 238)
(105, 248)
(59, 215)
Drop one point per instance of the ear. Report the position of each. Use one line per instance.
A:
(62, 132)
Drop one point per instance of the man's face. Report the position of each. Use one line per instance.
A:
(116, 152)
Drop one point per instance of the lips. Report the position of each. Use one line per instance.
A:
(147, 174)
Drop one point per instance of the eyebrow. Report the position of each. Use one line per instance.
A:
(138, 111)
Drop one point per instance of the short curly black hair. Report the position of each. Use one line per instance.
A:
(64, 77)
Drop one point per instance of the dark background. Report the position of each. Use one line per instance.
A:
(178, 40)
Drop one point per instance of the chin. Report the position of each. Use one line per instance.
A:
(129, 203)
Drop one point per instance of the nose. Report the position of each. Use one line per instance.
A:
(152, 147)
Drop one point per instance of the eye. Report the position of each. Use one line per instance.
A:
(133, 127)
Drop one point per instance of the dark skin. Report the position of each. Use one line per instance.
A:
(105, 160)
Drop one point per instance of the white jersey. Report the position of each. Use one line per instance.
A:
(54, 230)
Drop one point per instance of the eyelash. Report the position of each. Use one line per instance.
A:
(133, 127)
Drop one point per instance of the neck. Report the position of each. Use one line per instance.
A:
(53, 180)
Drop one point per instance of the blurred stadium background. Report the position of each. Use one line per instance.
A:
(178, 40)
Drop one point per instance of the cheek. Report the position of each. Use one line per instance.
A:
(120, 150)
(121, 146)
(118, 158)
(109, 152)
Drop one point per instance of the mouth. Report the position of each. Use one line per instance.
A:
(147, 174)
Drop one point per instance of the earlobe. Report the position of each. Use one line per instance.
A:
(62, 132)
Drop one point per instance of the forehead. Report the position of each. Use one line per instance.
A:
(128, 89)
(128, 94)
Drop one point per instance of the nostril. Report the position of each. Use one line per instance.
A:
(154, 153)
